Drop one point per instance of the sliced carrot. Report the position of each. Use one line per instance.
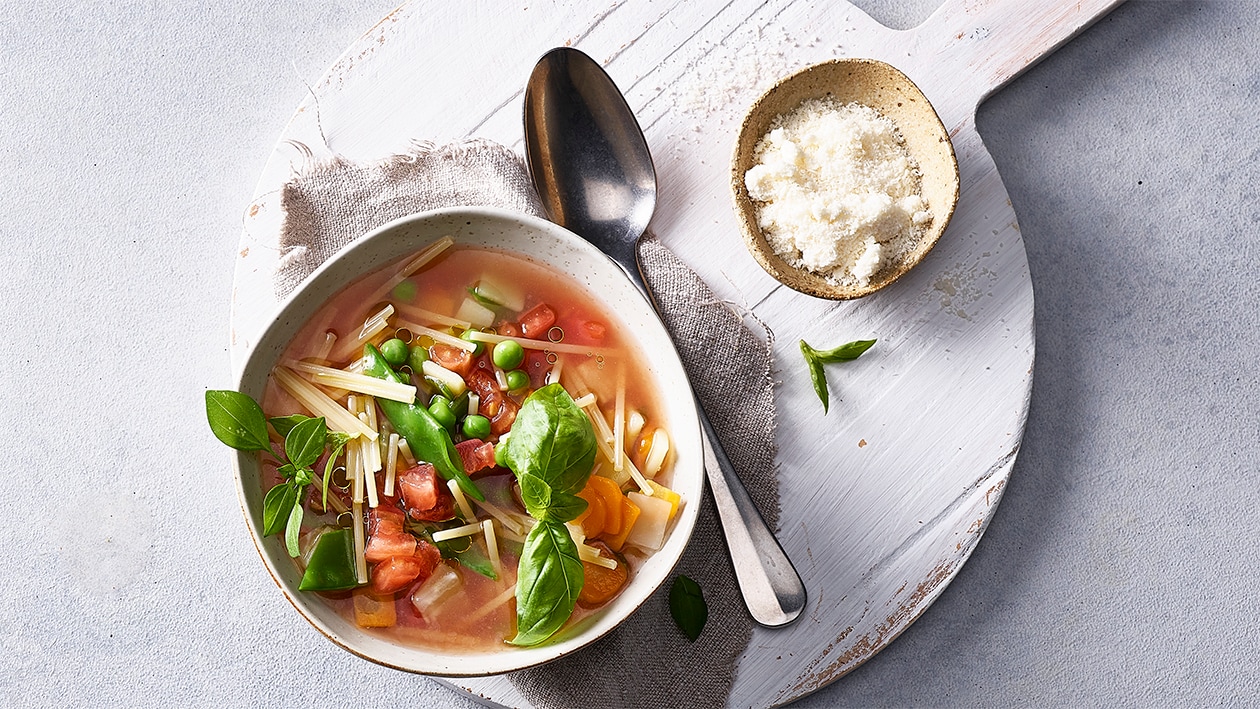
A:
(373, 611)
(607, 489)
(592, 520)
(601, 583)
(629, 515)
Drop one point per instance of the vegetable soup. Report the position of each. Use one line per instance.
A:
(466, 452)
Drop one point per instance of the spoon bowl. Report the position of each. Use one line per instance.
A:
(891, 93)
(587, 156)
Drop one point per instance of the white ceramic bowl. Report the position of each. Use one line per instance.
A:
(541, 241)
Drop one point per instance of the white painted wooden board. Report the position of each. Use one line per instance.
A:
(883, 499)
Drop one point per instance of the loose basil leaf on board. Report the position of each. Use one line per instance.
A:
(815, 359)
(284, 424)
(817, 376)
(553, 441)
(277, 506)
(304, 443)
(844, 353)
(237, 420)
(686, 604)
(549, 579)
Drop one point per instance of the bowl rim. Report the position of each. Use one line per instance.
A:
(683, 421)
(801, 279)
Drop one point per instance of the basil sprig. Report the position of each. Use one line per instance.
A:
(238, 420)
(817, 358)
(551, 451)
(686, 604)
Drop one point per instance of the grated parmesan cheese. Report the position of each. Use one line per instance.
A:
(838, 193)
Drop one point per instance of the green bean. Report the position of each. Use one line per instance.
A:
(427, 438)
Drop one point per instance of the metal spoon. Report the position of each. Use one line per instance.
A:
(591, 166)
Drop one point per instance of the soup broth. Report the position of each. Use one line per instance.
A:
(477, 332)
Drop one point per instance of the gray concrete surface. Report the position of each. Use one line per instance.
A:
(1120, 568)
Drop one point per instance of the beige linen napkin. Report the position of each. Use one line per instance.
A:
(646, 661)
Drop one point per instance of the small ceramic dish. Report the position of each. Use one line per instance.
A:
(542, 242)
(884, 88)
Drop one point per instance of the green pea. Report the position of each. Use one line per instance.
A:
(405, 291)
(440, 398)
(441, 411)
(508, 354)
(416, 358)
(395, 351)
(481, 346)
(517, 380)
(476, 427)
(500, 451)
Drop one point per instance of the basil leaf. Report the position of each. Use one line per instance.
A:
(536, 494)
(337, 440)
(817, 375)
(844, 353)
(277, 506)
(564, 507)
(549, 579)
(553, 441)
(237, 420)
(687, 606)
(288, 471)
(815, 359)
(305, 442)
(294, 526)
(284, 424)
(303, 476)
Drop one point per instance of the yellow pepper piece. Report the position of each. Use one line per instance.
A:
(673, 498)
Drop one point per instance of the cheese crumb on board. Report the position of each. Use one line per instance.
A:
(838, 193)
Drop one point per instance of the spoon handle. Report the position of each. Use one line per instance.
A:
(772, 590)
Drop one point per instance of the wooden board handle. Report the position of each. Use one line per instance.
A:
(986, 43)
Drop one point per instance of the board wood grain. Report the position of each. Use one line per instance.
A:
(884, 498)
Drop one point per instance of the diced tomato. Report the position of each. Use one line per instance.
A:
(380, 547)
(476, 454)
(595, 330)
(482, 383)
(429, 556)
(385, 520)
(455, 359)
(386, 536)
(495, 405)
(509, 329)
(424, 495)
(395, 573)
(502, 421)
(536, 321)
